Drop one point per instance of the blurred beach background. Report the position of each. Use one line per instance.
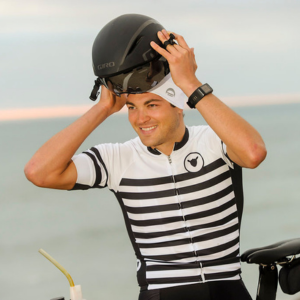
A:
(248, 51)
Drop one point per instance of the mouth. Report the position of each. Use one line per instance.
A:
(147, 130)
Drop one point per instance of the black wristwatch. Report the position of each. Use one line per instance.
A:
(200, 92)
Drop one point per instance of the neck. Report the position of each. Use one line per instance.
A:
(168, 147)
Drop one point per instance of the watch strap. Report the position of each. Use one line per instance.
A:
(198, 94)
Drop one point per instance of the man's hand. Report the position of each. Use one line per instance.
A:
(181, 59)
(110, 101)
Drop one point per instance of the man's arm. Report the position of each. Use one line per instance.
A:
(244, 144)
(51, 166)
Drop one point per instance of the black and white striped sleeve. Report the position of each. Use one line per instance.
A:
(91, 170)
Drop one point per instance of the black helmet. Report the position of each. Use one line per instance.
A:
(123, 59)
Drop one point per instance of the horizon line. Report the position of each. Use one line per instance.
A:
(51, 112)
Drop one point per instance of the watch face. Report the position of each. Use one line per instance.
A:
(206, 88)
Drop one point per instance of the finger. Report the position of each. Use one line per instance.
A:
(167, 55)
(163, 39)
(181, 41)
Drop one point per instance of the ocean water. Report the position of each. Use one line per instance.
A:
(84, 230)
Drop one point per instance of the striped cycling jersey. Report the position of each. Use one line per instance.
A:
(180, 210)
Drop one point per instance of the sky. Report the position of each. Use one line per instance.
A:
(243, 48)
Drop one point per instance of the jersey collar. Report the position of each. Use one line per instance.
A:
(177, 146)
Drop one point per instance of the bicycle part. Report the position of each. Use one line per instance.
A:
(267, 283)
(273, 253)
(289, 277)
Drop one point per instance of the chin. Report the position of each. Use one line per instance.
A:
(148, 143)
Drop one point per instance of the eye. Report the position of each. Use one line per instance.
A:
(152, 105)
(130, 107)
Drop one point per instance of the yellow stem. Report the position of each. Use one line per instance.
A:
(58, 265)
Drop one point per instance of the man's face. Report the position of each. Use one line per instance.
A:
(158, 124)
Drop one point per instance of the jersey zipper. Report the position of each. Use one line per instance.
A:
(180, 207)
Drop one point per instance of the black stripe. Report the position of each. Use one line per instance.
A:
(205, 237)
(156, 221)
(199, 215)
(79, 186)
(208, 199)
(97, 153)
(232, 259)
(128, 227)
(169, 179)
(146, 182)
(174, 280)
(216, 234)
(174, 266)
(168, 257)
(165, 244)
(206, 169)
(152, 235)
(235, 253)
(204, 185)
(219, 248)
(150, 195)
(192, 265)
(211, 212)
(215, 223)
(97, 168)
(172, 192)
(204, 252)
(170, 207)
(151, 209)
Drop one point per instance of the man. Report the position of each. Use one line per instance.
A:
(173, 183)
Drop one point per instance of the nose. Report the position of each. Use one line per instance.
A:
(142, 116)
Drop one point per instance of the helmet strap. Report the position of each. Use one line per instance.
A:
(95, 92)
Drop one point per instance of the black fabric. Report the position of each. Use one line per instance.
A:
(216, 290)
(237, 182)
(289, 277)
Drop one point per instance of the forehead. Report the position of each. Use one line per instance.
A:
(141, 98)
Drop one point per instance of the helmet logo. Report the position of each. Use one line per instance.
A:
(170, 92)
(106, 65)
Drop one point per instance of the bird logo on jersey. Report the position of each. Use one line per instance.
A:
(193, 162)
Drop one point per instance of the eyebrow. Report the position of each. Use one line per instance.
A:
(147, 102)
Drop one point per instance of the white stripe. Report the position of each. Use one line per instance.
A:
(167, 285)
(158, 228)
(212, 218)
(200, 232)
(156, 215)
(220, 254)
(222, 268)
(174, 274)
(189, 247)
(185, 211)
(169, 186)
(174, 237)
(173, 250)
(208, 206)
(103, 173)
(150, 202)
(147, 189)
(217, 241)
(206, 192)
(183, 198)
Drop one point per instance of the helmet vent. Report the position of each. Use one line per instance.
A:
(133, 46)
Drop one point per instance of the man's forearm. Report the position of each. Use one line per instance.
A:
(244, 144)
(49, 163)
